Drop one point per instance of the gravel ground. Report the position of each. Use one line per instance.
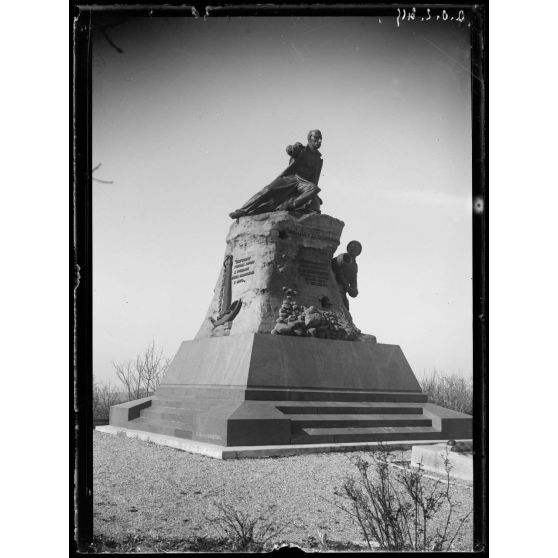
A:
(155, 492)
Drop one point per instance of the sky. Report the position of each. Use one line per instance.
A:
(193, 117)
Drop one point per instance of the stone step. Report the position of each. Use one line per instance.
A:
(156, 426)
(306, 421)
(336, 407)
(405, 403)
(298, 407)
(286, 394)
(183, 416)
(368, 434)
(166, 402)
(254, 394)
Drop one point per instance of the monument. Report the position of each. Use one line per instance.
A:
(278, 360)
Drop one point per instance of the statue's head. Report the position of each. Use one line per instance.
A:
(354, 248)
(314, 139)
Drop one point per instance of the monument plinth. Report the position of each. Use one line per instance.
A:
(268, 255)
(278, 361)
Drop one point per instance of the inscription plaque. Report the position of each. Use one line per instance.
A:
(242, 268)
(314, 267)
(309, 234)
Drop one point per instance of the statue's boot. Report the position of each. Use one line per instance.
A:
(236, 214)
(270, 198)
(256, 204)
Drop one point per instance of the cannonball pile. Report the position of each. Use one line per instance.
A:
(323, 324)
(295, 319)
(290, 311)
(332, 328)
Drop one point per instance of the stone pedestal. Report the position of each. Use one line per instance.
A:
(270, 362)
(249, 380)
(272, 251)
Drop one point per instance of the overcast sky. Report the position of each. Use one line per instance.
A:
(193, 117)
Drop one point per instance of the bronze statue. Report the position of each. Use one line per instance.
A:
(346, 270)
(296, 188)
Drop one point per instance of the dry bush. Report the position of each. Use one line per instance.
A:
(452, 392)
(105, 395)
(397, 510)
(245, 532)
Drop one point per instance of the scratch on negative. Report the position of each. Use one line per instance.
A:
(77, 278)
(451, 58)
(296, 51)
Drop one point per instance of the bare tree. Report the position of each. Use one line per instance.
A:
(126, 373)
(142, 377)
(151, 366)
(105, 395)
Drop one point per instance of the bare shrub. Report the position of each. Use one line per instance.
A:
(244, 531)
(142, 377)
(452, 392)
(105, 395)
(398, 510)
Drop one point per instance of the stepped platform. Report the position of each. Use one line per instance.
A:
(257, 452)
(260, 391)
(395, 417)
(246, 382)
